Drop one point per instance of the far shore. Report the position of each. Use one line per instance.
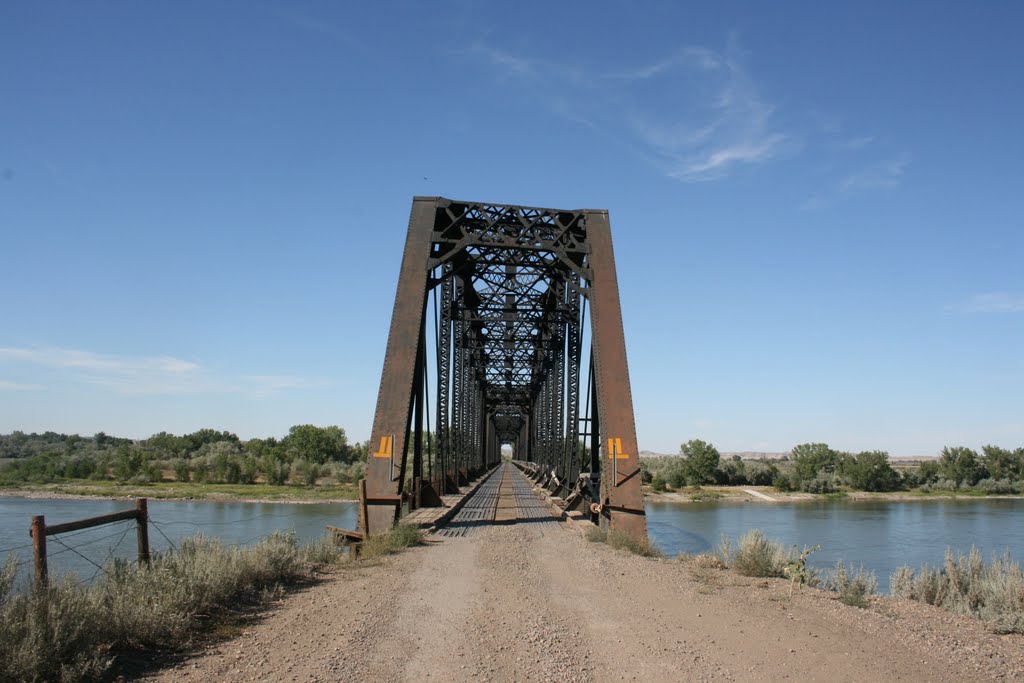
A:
(302, 495)
(770, 496)
(190, 492)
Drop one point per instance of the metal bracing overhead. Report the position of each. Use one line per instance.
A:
(490, 311)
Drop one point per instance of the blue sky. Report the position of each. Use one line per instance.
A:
(816, 208)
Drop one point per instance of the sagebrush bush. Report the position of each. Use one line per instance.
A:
(999, 486)
(853, 586)
(50, 634)
(63, 631)
(991, 592)
(756, 555)
(821, 483)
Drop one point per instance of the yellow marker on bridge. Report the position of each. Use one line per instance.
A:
(387, 447)
(615, 449)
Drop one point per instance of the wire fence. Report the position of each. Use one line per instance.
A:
(92, 549)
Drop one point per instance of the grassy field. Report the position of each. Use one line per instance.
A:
(187, 490)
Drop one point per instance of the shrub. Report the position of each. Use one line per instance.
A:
(596, 534)
(761, 474)
(62, 632)
(731, 473)
(50, 634)
(658, 483)
(853, 586)
(274, 469)
(402, 535)
(305, 471)
(180, 467)
(799, 573)
(822, 483)
(998, 486)
(622, 541)
(756, 555)
(782, 482)
(993, 593)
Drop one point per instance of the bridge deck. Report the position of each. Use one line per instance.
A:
(505, 497)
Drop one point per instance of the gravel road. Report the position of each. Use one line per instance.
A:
(536, 602)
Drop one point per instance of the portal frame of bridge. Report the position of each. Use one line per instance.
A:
(504, 292)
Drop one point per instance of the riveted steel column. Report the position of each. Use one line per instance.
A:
(620, 461)
(382, 496)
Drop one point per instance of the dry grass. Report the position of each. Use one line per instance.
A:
(64, 631)
(853, 586)
(755, 555)
(991, 592)
(401, 536)
(623, 541)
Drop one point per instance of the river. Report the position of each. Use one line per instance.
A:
(233, 523)
(881, 535)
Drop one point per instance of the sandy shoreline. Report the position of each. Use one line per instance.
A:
(213, 498)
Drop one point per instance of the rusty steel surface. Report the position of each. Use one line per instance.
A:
(488, 334)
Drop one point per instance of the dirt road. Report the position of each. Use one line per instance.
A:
(536, 602)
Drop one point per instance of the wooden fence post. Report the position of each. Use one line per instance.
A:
(143, 530)
(39, 549)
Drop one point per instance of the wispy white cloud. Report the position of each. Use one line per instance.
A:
(990, 302)
(73, 358)
(696, 113)
(887, 174)
(858, 142)
(882, 175)
(144, 375)
(6, 385)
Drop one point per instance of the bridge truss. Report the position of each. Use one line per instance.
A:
(506, 330)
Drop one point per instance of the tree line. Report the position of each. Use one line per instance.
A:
(818, 468)
(304, 455)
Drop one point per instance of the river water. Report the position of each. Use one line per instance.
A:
(233, 523)
(881, 535)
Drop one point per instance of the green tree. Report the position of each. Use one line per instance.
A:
(316, 444)
(810, 459)
(168, 445)
(927, 472)
(128, 463)
(870, 471)
(960, 464)
(701, 460)
(274, 469)
(1002, 463)
(180, 469)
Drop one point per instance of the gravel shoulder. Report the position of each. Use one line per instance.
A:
(536, 602)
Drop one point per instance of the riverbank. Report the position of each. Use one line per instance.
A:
(185, 491)
(510, 603)
(347, 493)
(768, 495)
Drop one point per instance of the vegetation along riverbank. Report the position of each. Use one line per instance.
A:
(815, 470)
(68, 631)
(309, 464)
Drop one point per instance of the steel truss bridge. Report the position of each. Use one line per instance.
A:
(506, 331)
